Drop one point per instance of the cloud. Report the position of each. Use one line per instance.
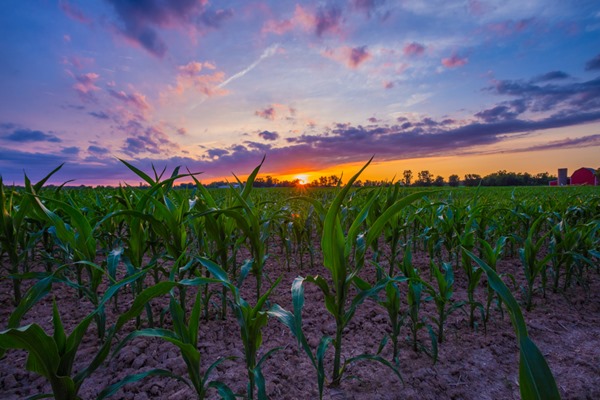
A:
(85, 85)
(189, 77)
(78, 62)
(551, 76)
(215, 19)
(593, 64)
(454, 61)
(323, 20)
(135, 100)
(579, 96)
(99, 114)
(24, 135)
(73, 12)
(275, 111)
(140, 20)
(352, 57)
(568, 143)
(266, 135)
(368, 7)
(508, 27)
(328, 19)
(216, 153)
(74, 150)
(97, 149)
(414, 49)
(146, 139)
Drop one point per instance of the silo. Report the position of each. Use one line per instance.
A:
(562, 177)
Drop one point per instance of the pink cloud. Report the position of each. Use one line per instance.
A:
(352, 57)
(85, 85)
(190, 77)
(136, 100)
(324, 20)
(414, 49)
(388, 84)
(78, 62)
(73, 12)
(454, 61)
(507, 28)
(276, 110)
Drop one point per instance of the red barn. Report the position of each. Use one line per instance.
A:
(584, 176)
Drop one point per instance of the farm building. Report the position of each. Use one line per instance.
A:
(583, 176)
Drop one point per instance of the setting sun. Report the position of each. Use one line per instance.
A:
(302, 179)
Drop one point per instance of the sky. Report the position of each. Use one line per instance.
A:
(317, 87)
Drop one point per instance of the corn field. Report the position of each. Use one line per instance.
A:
(163, 292)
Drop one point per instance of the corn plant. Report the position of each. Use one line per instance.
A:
(251, 320)
(536, 381)
(414, 297)
(337, 250)
(491, 255)
(532, 266)
(294, 322)
(184, 336)
(442, 296)
(53, 356)
(472, 272)
(392, 304)
(14, 236)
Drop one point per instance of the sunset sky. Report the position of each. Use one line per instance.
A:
(452, 87)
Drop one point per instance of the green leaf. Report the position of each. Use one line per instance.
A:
(114, 388)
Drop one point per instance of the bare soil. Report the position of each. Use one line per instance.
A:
(473, 363)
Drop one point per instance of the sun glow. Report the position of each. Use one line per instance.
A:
(302, 179)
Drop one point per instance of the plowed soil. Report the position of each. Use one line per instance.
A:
(473, 363)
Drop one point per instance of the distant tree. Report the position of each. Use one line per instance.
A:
(322, 181)
(453, 180)
(424, 178)
(472, 179)
(333, 180)
(407, 174)
(439, 181)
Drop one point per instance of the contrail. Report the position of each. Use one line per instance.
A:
(269, 51)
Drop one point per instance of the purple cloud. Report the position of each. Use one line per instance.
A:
(328, 19)
(551, 76)
(141, 18)
(454, 61)
(414, 49)
(97, 149)
(266, 135)
(28, 135)
(593, 64)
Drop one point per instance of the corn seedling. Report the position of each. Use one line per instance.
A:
(251, 321)
(184, 336)
(536, 381)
